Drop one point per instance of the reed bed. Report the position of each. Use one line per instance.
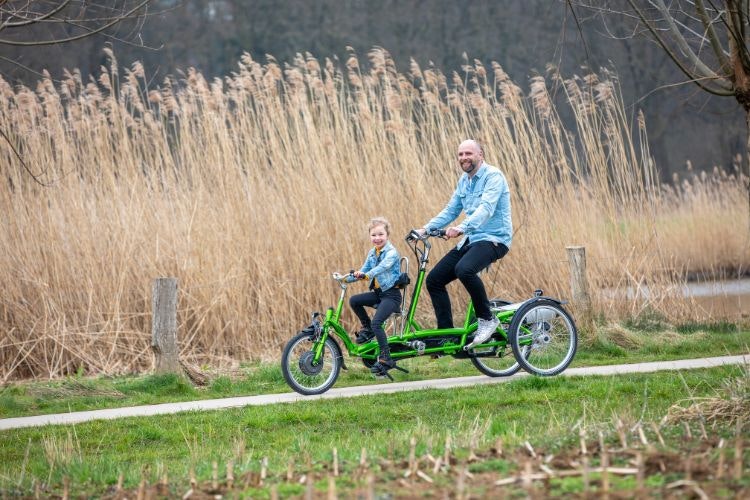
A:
(251, 189)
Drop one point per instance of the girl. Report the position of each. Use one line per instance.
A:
(382, 269)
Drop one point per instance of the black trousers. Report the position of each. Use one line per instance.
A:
(463, 264)
(387, 302)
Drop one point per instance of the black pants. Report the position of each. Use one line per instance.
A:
(387, 302)
(463, 264)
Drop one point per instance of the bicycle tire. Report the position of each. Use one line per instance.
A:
(544, 337)
(502, 357)
(301, 374)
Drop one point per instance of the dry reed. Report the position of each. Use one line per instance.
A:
(251, 189)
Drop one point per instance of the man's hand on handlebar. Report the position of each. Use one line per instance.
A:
(453, 232)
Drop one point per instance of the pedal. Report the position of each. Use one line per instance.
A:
(383, 374)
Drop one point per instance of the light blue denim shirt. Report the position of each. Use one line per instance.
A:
(386, 267)
(485, 199)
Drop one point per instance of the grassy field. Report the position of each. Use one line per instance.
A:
(631, 343)
(251, 189)
(275, 449)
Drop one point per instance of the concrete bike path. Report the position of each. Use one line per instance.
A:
(346, 392)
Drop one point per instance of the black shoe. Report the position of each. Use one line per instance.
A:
(385, 363)
(364, 335)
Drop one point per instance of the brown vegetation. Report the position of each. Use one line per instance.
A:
(252, 189)
(664, 461)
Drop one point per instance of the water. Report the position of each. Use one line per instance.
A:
(727, 299)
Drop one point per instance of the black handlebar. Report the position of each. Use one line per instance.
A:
(432, 233)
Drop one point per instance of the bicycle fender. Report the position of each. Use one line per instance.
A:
(339, 352)
(518, 305)
(544, 297)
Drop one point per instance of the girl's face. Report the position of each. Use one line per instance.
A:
(378, 236)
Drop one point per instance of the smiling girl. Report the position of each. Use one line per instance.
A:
(382, 269)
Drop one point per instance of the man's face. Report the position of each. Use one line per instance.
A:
(469, 157)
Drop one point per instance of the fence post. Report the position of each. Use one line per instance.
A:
(579, 287)
(164, 325)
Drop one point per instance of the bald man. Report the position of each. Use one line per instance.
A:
(486, 233)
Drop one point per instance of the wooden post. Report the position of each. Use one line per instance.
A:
(290, 470)
(604, 465)
(738, 454)
(579, 287)
(164, 325)
(332, 488)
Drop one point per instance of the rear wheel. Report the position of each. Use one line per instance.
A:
(543, 337)
(495, 361)
(302, 373)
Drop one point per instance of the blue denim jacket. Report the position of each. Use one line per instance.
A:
(386, 267)
(485, 198)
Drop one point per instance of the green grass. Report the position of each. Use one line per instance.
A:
(539, 410)
(79, 394)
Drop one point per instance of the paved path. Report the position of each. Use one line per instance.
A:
(346, 392)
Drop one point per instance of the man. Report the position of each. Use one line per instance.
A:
(483, 195)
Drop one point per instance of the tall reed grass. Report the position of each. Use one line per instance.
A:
(252, 188)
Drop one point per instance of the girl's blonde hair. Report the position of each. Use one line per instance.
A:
(380, 221)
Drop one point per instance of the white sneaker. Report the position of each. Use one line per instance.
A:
(485, 330)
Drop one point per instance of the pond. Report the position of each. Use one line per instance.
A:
(727, 299)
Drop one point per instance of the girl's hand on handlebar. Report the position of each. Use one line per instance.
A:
(359, 275)
(349, 277)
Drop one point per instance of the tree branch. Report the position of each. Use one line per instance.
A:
(723, 86)
(698, 64)
(77, 37)
(33, 20)
(20, 159)
(713, 38)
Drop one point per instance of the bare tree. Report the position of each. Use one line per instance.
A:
(37, 23)
(65, 21)
(708, 40)
(33, 24)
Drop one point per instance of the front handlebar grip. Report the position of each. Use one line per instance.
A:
(432, 233)
(413, 235)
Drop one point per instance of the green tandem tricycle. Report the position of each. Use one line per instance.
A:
(537, 334)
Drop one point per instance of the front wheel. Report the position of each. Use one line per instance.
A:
(543, 337)
(302, 373)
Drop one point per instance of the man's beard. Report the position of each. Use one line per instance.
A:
(470, 170)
